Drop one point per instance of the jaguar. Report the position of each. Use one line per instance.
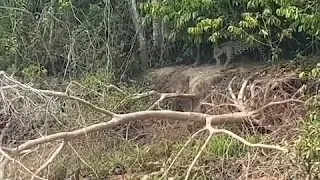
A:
(232, 49)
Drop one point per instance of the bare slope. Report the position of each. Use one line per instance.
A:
(199, 80)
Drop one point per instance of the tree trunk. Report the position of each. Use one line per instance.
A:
(156, 39)
(52, 27)
(165, 35)
(156, 30)
(141, 34)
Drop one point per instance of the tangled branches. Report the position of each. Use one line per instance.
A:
(17, 88)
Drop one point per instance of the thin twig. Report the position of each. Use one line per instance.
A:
(199, 153)
(184, 146)
(231, 91)
(50, 160)
(22, 165)
(248, 143)
(82, 160)
(60, 94)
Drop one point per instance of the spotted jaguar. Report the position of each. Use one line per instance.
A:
(232, 49)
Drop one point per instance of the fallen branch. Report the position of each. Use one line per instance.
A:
(126, 118)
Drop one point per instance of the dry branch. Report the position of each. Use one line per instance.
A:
(164, 96)
(125, 118)
(4, 161)
(50, 160)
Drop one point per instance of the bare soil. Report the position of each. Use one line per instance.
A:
(188, 80)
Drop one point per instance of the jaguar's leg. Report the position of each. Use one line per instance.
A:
(198, 57)
(227, 63)
(218, 61)
(263, 54)
(196, 63)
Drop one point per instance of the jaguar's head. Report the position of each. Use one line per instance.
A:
(217, 53)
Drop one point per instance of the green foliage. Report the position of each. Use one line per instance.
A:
(306, 150)
(269, 22)
(152, 157)
(59, 34)
(222, 146)
(9, 45)
(314, 74)
(97, 81)
(64, 5)
(118, 100)
(310, 139)
(34, 71)
(90, 35)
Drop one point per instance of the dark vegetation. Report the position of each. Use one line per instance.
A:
(50, 43)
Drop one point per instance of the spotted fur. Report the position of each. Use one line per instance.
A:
(235, 48)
